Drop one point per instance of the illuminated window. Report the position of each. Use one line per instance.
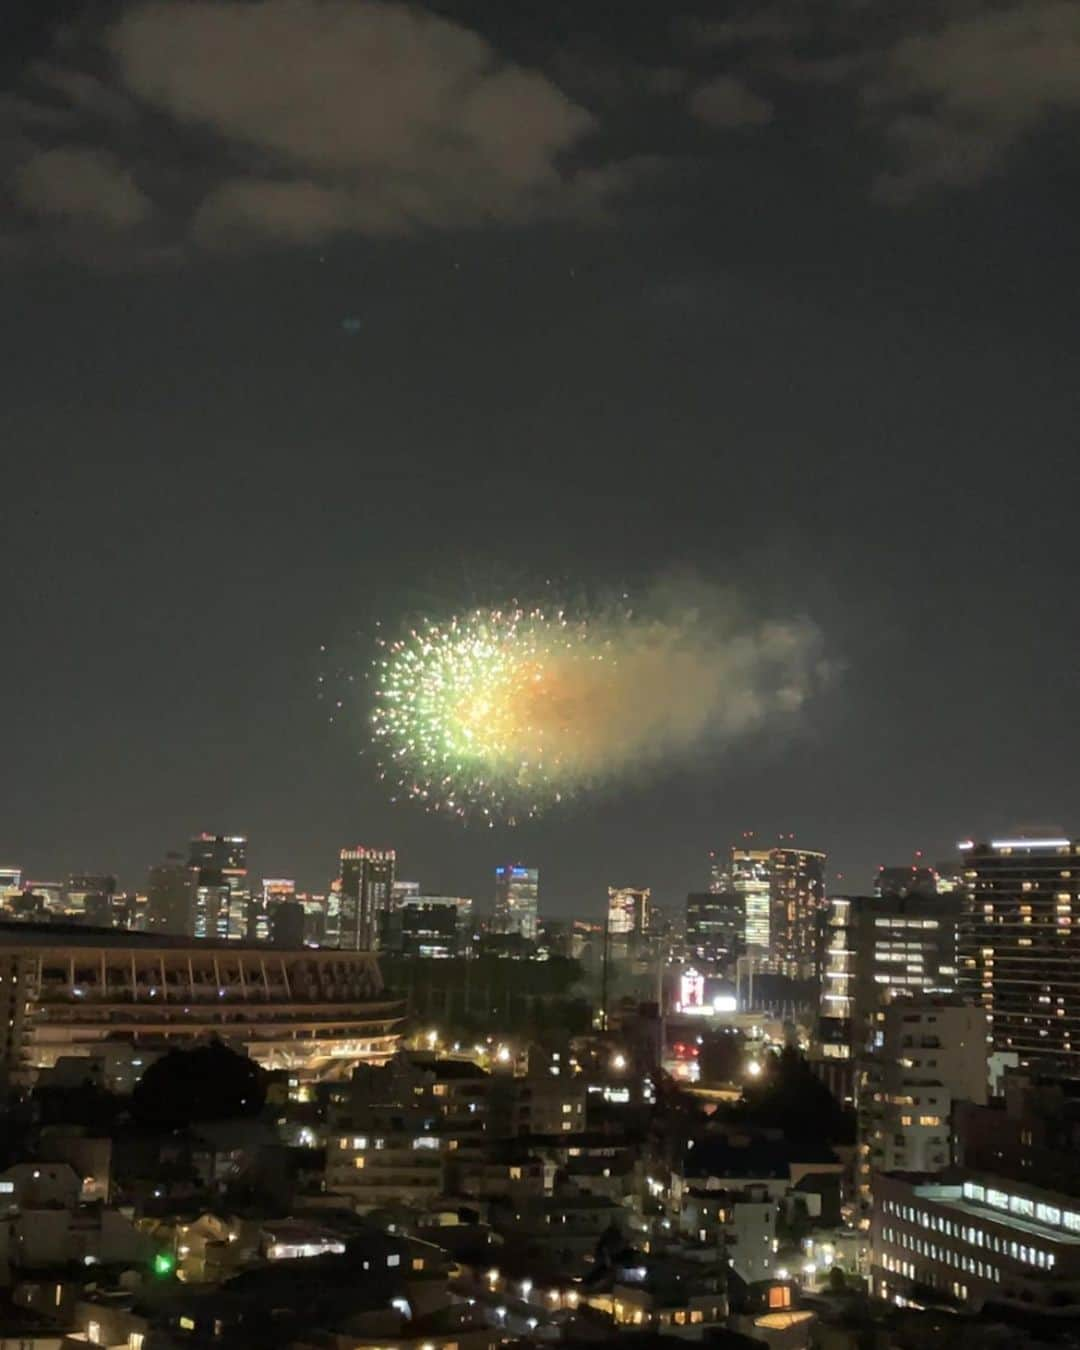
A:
(929, 1120)
(93, 1332)
(418, 1263)
(779, 1296)
(135, 1340)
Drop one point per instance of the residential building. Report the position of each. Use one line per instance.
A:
(1030, 1132)
(933, 1055)
(539, 1104)
(517, 891)
(1019, 944)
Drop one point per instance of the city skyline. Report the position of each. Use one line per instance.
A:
(411, 870)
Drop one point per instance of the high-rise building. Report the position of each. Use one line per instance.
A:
(629, 920)
(876, 947)
(10, 880)
(933, 1053)
(262, 906)
(1019, 944)
(782, 895)
(517, 891)
(714, 926)
(170, 894)
(367, 885)
(797, 896)
(220, 902)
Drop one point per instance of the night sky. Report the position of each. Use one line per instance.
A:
(318, 315)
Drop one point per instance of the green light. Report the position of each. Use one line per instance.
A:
(164, 1264)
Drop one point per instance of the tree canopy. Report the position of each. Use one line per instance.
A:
(210, 1082)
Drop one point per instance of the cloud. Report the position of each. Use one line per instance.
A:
(287, 121)
(988, 80)
(81, 184)
(951, 87)
(727, 102)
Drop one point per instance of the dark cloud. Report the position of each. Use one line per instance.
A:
(81, 185)
(367, 119)
(728, 102)
(951, 87)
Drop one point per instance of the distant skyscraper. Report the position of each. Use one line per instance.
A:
(628, 918)
(220, 909)
(91, 898)
(782, 894)
(714, 925)
(275, 891)
(367, 886)
(10, 880)
(1019, 944)
(402, 891)
(169, 896)
(517, 891)
(797, 894)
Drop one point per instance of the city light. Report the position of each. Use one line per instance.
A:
(753, 1068)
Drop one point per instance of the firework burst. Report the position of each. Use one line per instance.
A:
(477, 716)
(500, 713)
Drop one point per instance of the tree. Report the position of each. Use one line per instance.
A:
(210, 1082)
(837, 1280)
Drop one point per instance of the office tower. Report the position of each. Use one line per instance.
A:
(797, 897)
(428, 926)
(748, 879)
(1019, 945)
(933, 1053)
(782, 895)
(403, 890)
(286, 923)
(876, 947)
(714, 926)
(367, 884)
(315, 909)
(628, 920)
(517, 891)
(220, 908)
(90, 897)
(275, 891)
(170, 893)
